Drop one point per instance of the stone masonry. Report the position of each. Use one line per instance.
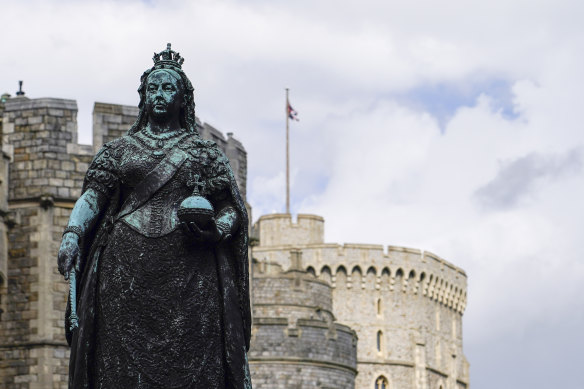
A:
(45, 176)
(405, 305)
(296, 341)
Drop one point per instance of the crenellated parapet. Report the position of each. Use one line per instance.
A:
(416, 272)
(365, 266)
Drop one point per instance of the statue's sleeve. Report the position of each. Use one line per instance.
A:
(103, 173)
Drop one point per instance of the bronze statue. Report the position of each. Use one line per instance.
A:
(156, 247)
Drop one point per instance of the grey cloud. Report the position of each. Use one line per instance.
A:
(519, 178)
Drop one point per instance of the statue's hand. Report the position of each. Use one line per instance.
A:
(211, 234)
(68, 254)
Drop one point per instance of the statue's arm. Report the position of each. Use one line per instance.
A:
(84, 216)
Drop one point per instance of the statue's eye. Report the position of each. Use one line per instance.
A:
(168, 87)
(151, 87)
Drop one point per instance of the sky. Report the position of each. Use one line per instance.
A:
(454, 127)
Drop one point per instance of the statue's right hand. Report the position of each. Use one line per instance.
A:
(68, 254)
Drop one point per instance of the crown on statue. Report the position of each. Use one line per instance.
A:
(168, 57)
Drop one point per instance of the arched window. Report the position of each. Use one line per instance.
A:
(379, 341)
(381, 383)
(379, 306)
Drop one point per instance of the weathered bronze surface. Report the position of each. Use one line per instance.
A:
(161, 302)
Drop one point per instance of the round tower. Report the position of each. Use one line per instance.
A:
(405, 305)
(296, 342)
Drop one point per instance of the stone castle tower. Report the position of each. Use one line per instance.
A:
(405, 305)
(312, 300)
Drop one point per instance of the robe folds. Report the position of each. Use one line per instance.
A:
(155, 308)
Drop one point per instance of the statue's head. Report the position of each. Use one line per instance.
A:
(178, 98)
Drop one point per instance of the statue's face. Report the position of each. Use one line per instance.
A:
(164, 96)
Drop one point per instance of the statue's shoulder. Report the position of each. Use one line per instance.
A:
(118, 143)
(198, 146)
(194, 142)
(112, 149)
(207, 153)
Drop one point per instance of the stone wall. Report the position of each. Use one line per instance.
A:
(111, 121)
(405, 305)
(4, 161)
(40, 134)
(296, 342)
(44, 180)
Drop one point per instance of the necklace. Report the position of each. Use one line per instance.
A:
(160, 139)
(159, 143)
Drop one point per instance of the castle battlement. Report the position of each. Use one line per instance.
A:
(365, 266)
(280, 230)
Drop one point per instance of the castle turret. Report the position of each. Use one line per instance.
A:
(296, 341)
(279, 230)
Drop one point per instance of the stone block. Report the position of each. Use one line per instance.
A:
(33, 120)
(56, 112)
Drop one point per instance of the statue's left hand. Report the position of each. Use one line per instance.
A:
(69, 254)
(211, 234)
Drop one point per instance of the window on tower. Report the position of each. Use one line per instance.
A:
(381, 383)
(379, 341)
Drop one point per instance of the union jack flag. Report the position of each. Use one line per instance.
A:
(292, 114)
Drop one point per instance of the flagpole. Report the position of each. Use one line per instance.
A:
(287, 153)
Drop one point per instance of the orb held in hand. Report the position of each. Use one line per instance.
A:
(196, 209)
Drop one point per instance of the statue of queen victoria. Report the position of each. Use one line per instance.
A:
(156, 252)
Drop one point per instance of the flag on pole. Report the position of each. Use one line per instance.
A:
(292, 114)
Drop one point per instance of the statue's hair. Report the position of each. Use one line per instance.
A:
(187, 112)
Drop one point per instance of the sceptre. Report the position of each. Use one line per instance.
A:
(73, 318)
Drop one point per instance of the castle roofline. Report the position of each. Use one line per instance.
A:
(272, 216)
(23, 103)
(278, 231)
